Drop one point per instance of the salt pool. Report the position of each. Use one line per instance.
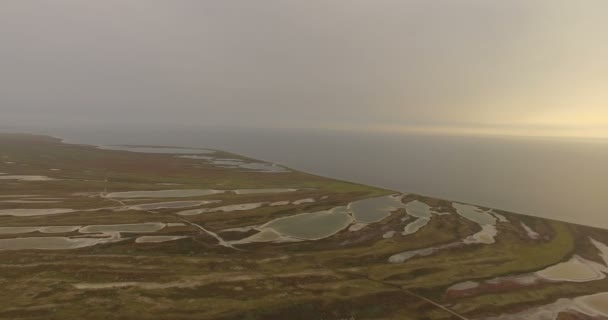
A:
(157, 239)
(169, 205)
(48, 243)
(269, 190)
(375, 209)
(176, 193)
(132, 228)
(32, 212)
(413, 227)
(152, 149)
(25, 178)
(311, 226)
(474, 214)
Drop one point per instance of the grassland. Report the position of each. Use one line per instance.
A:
(344, 276)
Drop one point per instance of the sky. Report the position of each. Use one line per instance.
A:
(517, 67)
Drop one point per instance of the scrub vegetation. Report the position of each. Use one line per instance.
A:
(208, 270)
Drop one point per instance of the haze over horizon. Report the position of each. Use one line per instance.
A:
(476, 67)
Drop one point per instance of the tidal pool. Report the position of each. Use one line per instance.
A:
(240, 164)
(311, 226)
(48, 229)
(413, 227)
(32, 212)
(177, 193)
(500, 217)
(152, 149)
(25, 178)
(48, 243)
(389, 234)
(576, 269)
(267, 235)
(175, 224)
(270, 190)
(19, 195)
(418, 209)
(301, 201)
(356, 227)
(263, 167)
(474, 214)
(59, 229)
(593, 306)
(132, 228)
(487, 235)
(375, 209)
(404, 256)
(228, 208)
(531, 233)
(29, 201)
(598, 303)
(157, 239)
(194, 157)
(169, 205)
(235, 207)
(279, 203)
(17, 230)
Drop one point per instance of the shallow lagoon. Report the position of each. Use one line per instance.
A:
(374, 209)
(157, 239)
(270, 190)
(238, 163)
(312, 226)
(30, 201)
(474, 214)
(169, 205)
(149, 149)
(25, 178)
(32, 212)
(177, 193)
(47, 243)
(47, 229)
(413, 227)
(573, 270)
(134, 228)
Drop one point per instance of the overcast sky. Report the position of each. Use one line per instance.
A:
(515, 66)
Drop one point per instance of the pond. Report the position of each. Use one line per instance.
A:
(48, 243)
(375, 209)
(134, 228)
(269, 190)
(174, 193)
(32, 212)
(169, 205)
(152, 149)
(157, 239)
(474, 214)
(312, 226)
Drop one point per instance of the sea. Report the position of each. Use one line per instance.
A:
(556, 178)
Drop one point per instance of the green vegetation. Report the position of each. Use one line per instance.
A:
(345, 276)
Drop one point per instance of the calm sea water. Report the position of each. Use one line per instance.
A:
(560, 179)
